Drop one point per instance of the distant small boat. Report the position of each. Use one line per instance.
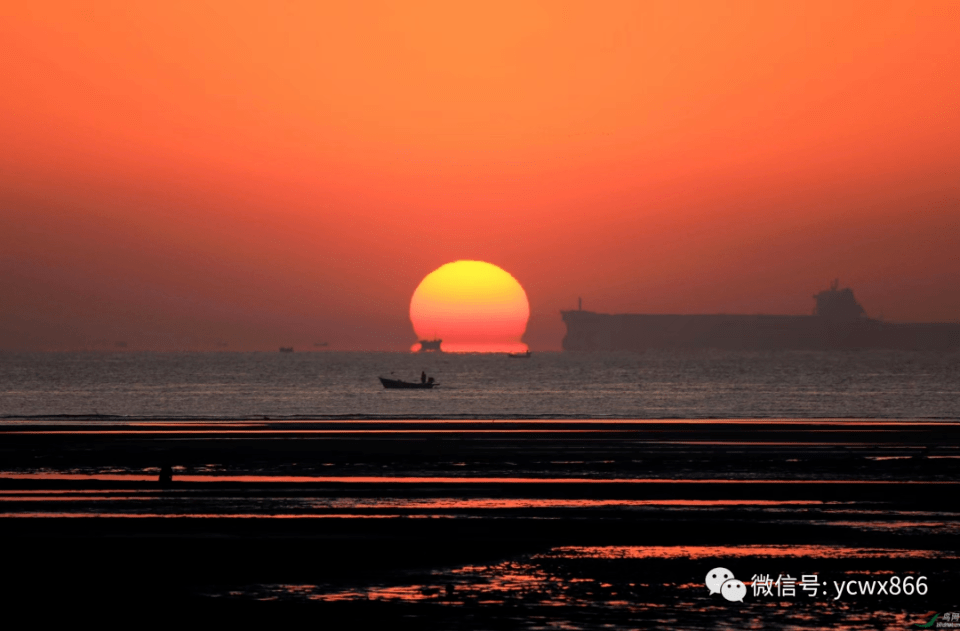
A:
(515, 355)
(397, 383)
(286, 349)
(430, 345)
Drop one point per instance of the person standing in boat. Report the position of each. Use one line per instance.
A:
(423, 377)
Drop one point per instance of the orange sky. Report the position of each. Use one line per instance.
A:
(265, 174)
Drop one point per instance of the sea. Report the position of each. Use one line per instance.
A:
(551, 385)
(556, 491)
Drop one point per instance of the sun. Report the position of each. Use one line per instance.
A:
(472, 306)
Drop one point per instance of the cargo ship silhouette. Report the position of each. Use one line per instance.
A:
(838, 322)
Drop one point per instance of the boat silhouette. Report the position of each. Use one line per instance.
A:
(430, 345)
(397, 384)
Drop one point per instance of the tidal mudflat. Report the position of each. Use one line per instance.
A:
(488, 524)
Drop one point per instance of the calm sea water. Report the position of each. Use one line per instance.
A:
(706, 384)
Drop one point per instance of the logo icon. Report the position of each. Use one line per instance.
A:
(720, 580)
(716, 577)
(733, 590)
(949, 620)
(929, 624)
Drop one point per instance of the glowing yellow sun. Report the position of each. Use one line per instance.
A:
(472, 306)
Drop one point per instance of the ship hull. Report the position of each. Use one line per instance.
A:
(588, 331)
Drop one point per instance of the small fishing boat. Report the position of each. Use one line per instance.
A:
(397, 383)
(427, 346)
(516, 355)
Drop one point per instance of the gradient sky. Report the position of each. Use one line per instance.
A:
(188, 175)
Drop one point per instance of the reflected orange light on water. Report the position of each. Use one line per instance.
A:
(470, 480)
(118, 515)
(442, 503)
(729, 552)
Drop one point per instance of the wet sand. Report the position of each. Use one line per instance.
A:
(481, 524)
